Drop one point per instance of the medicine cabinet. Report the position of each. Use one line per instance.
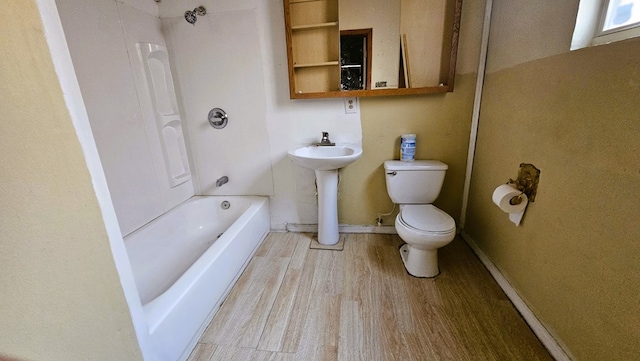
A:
(355, 48)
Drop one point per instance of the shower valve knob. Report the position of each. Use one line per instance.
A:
(218, 118)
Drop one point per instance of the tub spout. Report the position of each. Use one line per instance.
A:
(221, 181)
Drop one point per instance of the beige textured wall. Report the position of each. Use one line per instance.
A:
(576, 116)
(442, 124)
(61, 296)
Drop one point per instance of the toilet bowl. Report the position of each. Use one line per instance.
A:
(424, 227)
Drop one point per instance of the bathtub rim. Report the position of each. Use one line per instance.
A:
(155, 310)
(162, 231)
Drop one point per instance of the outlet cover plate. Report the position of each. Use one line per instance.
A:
(351, 105)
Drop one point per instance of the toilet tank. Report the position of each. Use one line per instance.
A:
(417, 182)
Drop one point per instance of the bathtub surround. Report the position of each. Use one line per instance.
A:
(574, 259)
(102, 37)
(213, 71)
(159, 105)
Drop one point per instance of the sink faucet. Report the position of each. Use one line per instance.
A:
(325, 140)
(221, 181)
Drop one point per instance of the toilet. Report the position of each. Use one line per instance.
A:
(424, 227)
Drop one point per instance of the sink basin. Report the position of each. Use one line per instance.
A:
(325, 157)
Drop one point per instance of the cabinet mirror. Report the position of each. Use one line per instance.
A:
(354, 48)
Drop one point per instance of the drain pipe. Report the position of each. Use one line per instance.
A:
(476, 111)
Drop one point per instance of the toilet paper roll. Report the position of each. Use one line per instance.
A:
(506, 198)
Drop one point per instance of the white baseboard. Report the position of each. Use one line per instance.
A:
(549, 342)
(344, 228)
(301, 228)
(350, 228)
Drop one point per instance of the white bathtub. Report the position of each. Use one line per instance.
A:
(186, 261)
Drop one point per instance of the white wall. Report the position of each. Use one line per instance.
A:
(102, 35)
(284, 123)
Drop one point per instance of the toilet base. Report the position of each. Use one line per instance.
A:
(420, 262)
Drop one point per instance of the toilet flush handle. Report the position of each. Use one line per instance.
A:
(392, 173)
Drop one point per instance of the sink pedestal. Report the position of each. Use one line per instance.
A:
(327, 181)
(325, 161)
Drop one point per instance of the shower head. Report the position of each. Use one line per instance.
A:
(190, 16)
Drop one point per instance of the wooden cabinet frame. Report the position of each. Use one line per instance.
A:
(322, 70)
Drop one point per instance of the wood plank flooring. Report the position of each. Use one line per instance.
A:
(295, 303)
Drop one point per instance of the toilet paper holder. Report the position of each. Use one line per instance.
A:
(514, 201)
(527, 183)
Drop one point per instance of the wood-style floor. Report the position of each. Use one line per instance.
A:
(294, 303)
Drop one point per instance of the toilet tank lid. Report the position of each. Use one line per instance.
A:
(415, 165)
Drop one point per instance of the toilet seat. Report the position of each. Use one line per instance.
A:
(426, 218)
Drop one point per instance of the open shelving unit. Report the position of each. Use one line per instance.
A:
(313, 35)
(313, 48)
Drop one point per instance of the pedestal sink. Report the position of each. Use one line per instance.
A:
(325, 161)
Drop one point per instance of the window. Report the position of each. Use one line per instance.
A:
(605, 21)
(621, 14)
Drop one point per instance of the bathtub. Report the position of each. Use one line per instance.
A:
(185, 262)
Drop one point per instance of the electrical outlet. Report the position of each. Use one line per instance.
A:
(350, 105)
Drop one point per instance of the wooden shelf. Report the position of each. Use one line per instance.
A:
(313, 48)
(315, 26)
(313, 45)
(370, 93)
(309, 65)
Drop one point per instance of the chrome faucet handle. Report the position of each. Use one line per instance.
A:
(325, 139)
